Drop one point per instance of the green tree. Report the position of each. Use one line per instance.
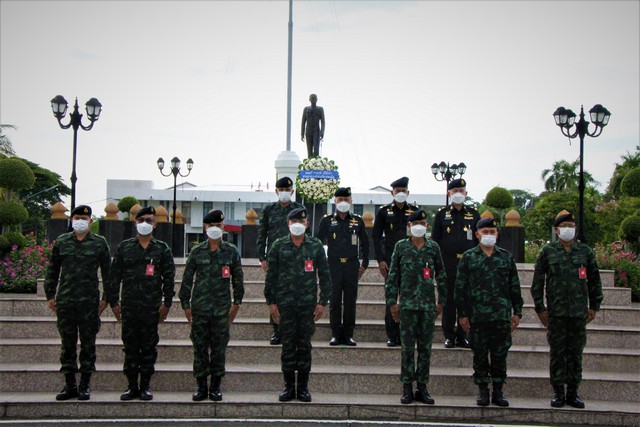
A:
(630, 185)
(523, 200)
(630, 161)
(126, 203)
(6, 149)
(630, 231)
(499, 199)
(15, 175)
(611, 213)
(565, 176)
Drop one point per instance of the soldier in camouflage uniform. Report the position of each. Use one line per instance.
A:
(489, 303)
(296, 263)
(207, 303)
(415, 263)
(567, 272)
(73, 294)
(272, 226)
(144, 266)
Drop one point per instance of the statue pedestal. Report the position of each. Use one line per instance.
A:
(287, 165)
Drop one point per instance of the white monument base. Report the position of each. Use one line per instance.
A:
(287, 165)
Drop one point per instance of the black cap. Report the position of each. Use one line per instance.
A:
(299, 213)
(213, 217)
(149, 210)
(486, 223)
(284, 182)
(563, 216)
(417, 216)
(400, 182)
(81, 210)
(457, 183)
(343, 192)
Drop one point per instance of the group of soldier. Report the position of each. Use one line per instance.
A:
(459, 271)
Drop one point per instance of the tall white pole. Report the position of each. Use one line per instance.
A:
(289, 75)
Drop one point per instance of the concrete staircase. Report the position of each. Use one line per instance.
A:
(347, 383)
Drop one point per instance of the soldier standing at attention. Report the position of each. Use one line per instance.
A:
(345, 234)
(568, 273)
(415, 263)
(144, 265)
(273, 225)
(207, 303)
(489, 303)
(73, 294)
(391, 221)
(296, 263)
(454, 230)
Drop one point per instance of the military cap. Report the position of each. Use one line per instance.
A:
(457, 183)
(486, 223)
(299, 213)
(400, 182)
(563, 216)
(149, 210)
(284, 182)
(343, 192)
(213, 217)
(81, 210)
(417, 216)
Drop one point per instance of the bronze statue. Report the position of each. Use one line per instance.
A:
(313, 118)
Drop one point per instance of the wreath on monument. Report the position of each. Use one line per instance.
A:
(317, 179)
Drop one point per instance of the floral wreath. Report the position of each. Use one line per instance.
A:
(317, 179)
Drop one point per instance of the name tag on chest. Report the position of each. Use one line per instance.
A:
(308, 265)
(582, 273)
(226, 272)
(150, 269)
(427, 273)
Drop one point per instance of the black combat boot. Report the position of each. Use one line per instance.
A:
(497, 397)
(407, 394)
(558, 400)
(303, 387)
(201, 391)
(214, 390)
(422, 394)
(145, 394)
(133, 391)
(84, 390)
(289, 391)
(483, 397)
(70, 389)
(572, 397)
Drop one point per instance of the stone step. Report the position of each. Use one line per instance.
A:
(372, 331)
(344, 379)
(38, 350)
(262, 409)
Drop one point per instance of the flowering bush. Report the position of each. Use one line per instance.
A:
(317, 179)
(22, 267)
(625, 264)
(532, 249)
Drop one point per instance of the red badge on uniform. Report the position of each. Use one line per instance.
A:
(226, 272)
(582, 273)
(150, 269)
(427, 273)
(308, 265)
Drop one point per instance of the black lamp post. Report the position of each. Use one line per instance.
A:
(175, 171)
(59, 107)
(447, 173)
(566, 119)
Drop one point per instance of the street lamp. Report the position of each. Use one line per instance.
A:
(175, 171)
(447, 173)
(565, 119)
(59, 107)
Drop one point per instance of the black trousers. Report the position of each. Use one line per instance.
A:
(393, 328)
(313, 144)
(450, 324)
(344, 293)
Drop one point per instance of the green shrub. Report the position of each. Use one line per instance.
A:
(126, 203)
(499, 198)
(16, 174)
(630, 185)
(12, 213)
(531, 251)
(625, 264)
(21, 267)
(11, 239)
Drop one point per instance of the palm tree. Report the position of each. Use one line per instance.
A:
(6, 149)
(565, 176)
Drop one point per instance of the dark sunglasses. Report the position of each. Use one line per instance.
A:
(147, 220)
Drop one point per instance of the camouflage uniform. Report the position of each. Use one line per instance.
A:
(292, 284)
(209, 300)
(487, 292)
(411, 275)
(143, 291)
(72, 279)
(568, 298)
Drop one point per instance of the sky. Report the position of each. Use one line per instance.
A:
(404, 84)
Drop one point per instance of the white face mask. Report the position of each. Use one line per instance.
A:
(284, 196)
(297, 229)
(80, 225)
(458, 198)
(144, 229)
(400, 197)
(343, 206)
(418, 230)
(567, 233)
(488, 240)
(214, 233)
